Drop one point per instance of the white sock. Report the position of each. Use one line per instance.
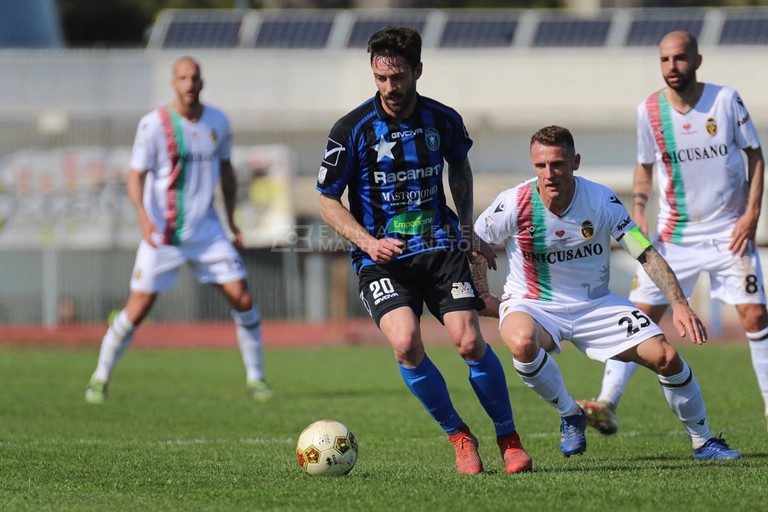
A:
(684, 397)
(249, 338)
(758, 346)
(615, 379)
(113, 345)
(544, 377)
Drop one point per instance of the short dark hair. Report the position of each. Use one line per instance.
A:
(554, 136)
(402, 42)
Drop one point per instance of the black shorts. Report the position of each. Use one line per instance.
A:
(441, 279)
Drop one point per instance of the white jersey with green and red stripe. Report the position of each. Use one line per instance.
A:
(699, 166)
(182, 159)
(558, 259)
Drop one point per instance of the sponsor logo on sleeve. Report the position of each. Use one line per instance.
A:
(333, 151)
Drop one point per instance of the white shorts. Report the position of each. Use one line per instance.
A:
(734, 280)
(601, 328)
(156, 268)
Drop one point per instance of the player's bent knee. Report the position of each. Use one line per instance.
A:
(661, 357)
(754, 317)
(523, 347)
(471, 347)
(409, 355)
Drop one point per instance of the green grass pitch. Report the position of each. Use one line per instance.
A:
(178, 433)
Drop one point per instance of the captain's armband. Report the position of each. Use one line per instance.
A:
(635, 242)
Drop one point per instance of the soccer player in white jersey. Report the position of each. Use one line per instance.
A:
(556, 229)
(180, 155)
(695, 133)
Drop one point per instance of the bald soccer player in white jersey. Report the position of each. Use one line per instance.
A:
(557, 230)
(180, 156)
(709, 206)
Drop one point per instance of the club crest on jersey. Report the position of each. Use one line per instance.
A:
(432, 136)
(214, 136)
(587, 229)
(462, 290)
(711, 126)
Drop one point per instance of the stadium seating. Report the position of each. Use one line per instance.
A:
(454, 28)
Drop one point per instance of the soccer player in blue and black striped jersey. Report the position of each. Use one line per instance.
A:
(408, 247)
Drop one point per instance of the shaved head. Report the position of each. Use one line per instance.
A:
(184, 61)
(683, 37)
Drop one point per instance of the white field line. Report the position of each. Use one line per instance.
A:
(266, 440)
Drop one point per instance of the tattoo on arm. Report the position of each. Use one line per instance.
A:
(460, 182)
(478, 266)
(661, 274)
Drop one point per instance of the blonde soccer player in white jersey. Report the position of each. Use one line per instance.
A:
(180, 156)
(556, 229)
(695, 134)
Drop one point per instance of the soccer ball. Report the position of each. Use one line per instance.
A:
(326, 448)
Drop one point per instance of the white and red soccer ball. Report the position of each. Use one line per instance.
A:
(326, 448)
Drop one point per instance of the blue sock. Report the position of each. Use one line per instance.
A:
(490, 384)
(428, 385)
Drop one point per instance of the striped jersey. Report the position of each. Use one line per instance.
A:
(182, 159)
(393, 173)
(699, 165)
(558, 259)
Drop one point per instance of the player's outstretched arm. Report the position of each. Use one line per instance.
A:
(460, 181)
(341, 219)
(684, 319)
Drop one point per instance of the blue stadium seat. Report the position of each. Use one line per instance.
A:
(742, 30)
(565, 33)
(649, 31)
(294, 33)
(203, 31)
(478, 31)
(365, 26)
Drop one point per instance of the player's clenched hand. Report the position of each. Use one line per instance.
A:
(383, 250)
(688, 324)
(492, 304)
